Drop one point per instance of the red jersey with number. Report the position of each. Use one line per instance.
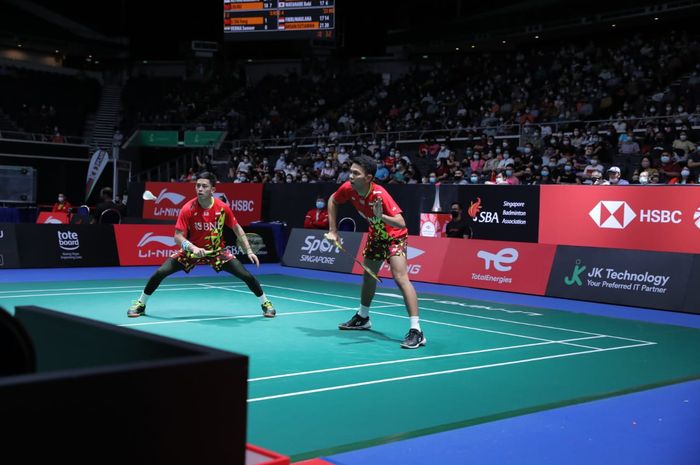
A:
(204, 227)
(378, 229)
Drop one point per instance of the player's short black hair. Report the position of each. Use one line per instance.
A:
(368, 164)
(207, 175)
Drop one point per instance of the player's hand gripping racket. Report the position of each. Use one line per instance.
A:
(364, 267)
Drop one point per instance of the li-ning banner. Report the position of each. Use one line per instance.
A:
(625, 277)
(244, 199)
(657, 218)
(60, 246)
(9, 256)
(307, 248)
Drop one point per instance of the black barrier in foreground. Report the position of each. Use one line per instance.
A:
(9, 255)
(692, 297)
(308, 249)
(624, 277)
(66, 245)
(105, 394)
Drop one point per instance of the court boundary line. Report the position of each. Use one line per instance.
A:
(140, 286)
(436, 373)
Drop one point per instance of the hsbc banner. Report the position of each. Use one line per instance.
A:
(9, 255)
(61, 246)
(244, 199)
(426, 257)
(502, 213)
(656, 218)
(501, 266)
(307, 248)
(144, 244)
(625, 277)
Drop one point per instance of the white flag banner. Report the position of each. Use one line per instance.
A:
(97, 165)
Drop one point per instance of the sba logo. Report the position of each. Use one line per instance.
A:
(575, 277)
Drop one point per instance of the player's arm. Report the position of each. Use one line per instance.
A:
(332, 216)
(396, 221)
(245, 245)
(186, 245)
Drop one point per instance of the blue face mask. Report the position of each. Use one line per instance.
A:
(509, 173)
(474, 179)
(320, 204)
(544, 173)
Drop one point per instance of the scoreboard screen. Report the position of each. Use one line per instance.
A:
(279, 20)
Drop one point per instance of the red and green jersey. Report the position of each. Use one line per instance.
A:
(378, 229)
(204, 227)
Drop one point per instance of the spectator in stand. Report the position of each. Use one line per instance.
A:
(62, 205)
(459, 226)
(568, 175)
(328, 173)
(509, 176)
(476, 164)
(593, 165)
(106, 202)
(694, 163)
(615, 177)
(458, 177)
(628, 145)
(683, 179)
(317, 218)
(382, 174)
(668, 168)
(682, 146)
(343, 173)
(281, 162)
(57, 138)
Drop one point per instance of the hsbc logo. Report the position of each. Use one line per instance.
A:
(612, 214)
(501, 260)
(617, 214)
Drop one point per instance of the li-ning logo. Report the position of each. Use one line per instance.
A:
(575, 276)
(168, 241)
(68, 240)
(52, 220)
(412, 252)
(508, 255)
(173, 197)
(612, 214)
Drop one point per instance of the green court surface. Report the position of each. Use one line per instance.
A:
(315, 390)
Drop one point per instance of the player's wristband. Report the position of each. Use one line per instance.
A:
(186, 245)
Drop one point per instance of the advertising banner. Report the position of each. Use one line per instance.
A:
(692, 297)
(307, 248)
(144, 244)
(657, 218)
(426, 256)
(60, 246)
(502, 213)
(244, 199)
(501, 266)
(625, 277)
(434, 224)
(98, 162)
(9, 255)
(52, 218)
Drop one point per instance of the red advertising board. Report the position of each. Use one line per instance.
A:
(144, 244)
(245, 200)
(503, 266)
(52, 218)
(425, 258)
(657, 218)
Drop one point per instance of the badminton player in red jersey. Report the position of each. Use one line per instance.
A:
(199, 232)
(386, 242)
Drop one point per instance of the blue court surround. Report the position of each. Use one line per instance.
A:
(653, 427)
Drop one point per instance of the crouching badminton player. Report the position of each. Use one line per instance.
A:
(199, 232)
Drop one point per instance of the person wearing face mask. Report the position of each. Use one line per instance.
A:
(62, 205)
(458, 227)
(568, 174)
(241, 177)
(458, 177)
(682, 143)
(668, 168)
(474, 178)
(432, 178)
(509, 175)
(281, 163)
(615, 177)
(644, 178)
(684, 177)
(317, 218)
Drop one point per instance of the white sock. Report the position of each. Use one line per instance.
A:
(262, 298)
(144, 298)
(363, 311)
(414, 322)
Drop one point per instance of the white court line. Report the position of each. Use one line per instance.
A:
(472, 315)
(436, 373)
(130, 291)
(417, 359)
(279, 296)
(257, 315)
(140, 286)
(423, 320)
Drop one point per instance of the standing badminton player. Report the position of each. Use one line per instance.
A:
(386, 242)
(199, 232)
